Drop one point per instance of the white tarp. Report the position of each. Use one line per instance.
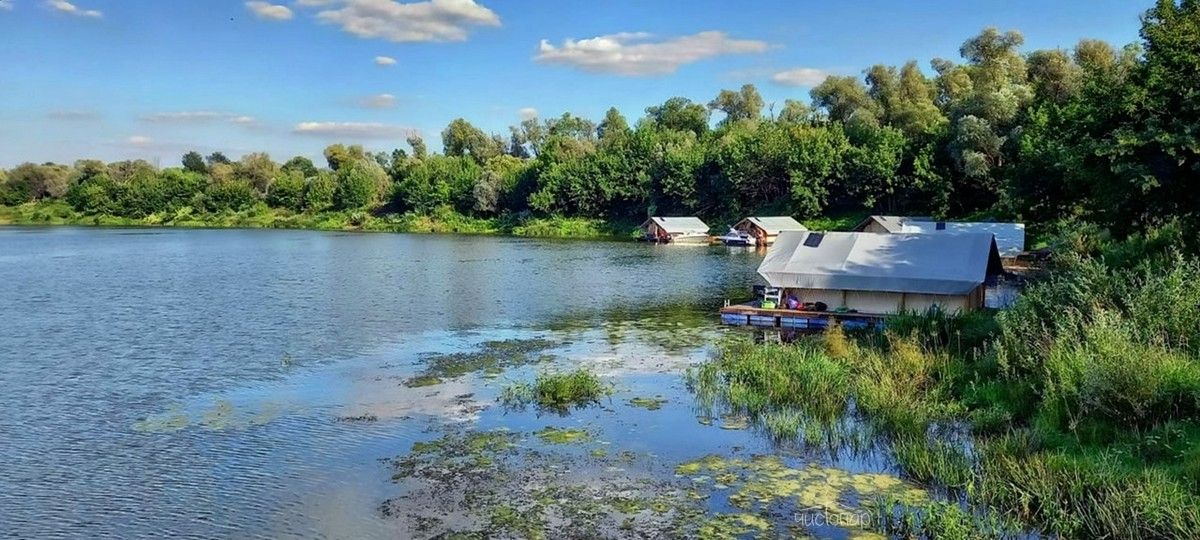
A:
(949, 264)
(679, 225)
(1010, 237)
(775, 224)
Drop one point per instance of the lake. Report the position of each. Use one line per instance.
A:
(245, 383)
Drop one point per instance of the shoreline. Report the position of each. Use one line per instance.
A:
(55, 214)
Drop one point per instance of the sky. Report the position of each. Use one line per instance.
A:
(152, 79)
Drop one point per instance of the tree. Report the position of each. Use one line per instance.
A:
(614, 128)
(743, 104)
(30, 182)
(258, 170)
(418, 146)
(356, 187)
(571, 127)
(288, 189)
(794, 112)
(460, 138)
(340, 155)
(679, 114)
(215, 158)
(301, 165)
(194, 162)
(843, 98)
(319, 193)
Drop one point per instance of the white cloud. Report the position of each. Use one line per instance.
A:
(200, 117)
(385, 61)
(379, 101)
(528, 113)
(140, 141)
(632, 54)
(800, 77)
(63, 6)
(6, 5)
(72, 115)
(352, 130)
(269, 11)
(433, 20)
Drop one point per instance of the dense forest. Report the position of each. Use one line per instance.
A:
(1098, 133)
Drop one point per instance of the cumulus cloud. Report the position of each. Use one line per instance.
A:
(352, 130)
(63, 6)
(800, 77)
(528, 113)
(385, 61)
(269, 11)
(378, 101)
(635, 54)
(433, 20)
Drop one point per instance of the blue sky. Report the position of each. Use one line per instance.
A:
(115, 79)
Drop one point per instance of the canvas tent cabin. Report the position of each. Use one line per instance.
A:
(1010, 237)
(882, 224)
(874, 273)
(678, 230)
(766, 229)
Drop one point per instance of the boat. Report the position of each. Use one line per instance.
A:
(738, 238)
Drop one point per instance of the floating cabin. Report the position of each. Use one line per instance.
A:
(767, 229)
(860, 278)
(1010, 237)
(676, 230)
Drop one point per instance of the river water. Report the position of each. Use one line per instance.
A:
(235, 383)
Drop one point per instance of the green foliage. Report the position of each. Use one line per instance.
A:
(1092, 133)
(557, 391)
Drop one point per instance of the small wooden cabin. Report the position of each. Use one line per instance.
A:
(688, 230)
(875, 273)
(766, 229)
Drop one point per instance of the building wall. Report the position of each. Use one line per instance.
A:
(950, 304)
(888, 302)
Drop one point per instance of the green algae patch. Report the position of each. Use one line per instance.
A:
(490, 359)
(765, 483)
(172, 420)
(552, 435)
(649, 403)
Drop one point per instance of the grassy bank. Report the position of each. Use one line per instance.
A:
(263, 217)
(1076, 413)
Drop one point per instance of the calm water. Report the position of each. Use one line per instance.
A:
(190, 382)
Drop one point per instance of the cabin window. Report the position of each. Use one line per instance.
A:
(813, 239)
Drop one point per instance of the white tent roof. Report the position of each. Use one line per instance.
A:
(776, 224)
(679, 225)
(913, 263)
(1010, 237)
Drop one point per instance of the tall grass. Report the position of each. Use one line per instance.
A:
(557, 391)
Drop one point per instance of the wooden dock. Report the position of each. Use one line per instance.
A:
(750, 315)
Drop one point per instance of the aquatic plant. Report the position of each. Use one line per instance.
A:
(553, 435)
(557, 391)
(649, 403)
(938, 462)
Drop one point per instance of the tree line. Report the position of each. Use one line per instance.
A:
(1095, 133)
